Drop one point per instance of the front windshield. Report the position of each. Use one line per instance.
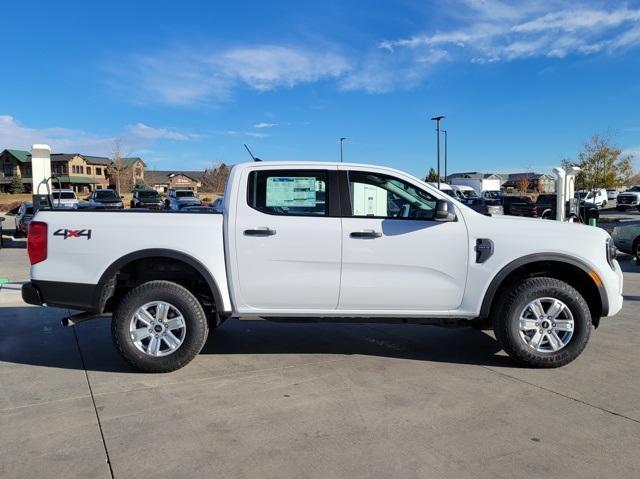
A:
(106, 195)
(450, 193)
(470, 194)
(634, 188)
(581, 195)
(492, 194)
(148, 194)
(184, 194)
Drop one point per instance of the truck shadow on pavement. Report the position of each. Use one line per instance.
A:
(34, 336)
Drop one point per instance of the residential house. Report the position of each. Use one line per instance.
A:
(82, 173)
(161, 181)
(131, 171)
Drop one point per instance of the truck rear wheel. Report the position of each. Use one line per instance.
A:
(542, 322)
(159, 327)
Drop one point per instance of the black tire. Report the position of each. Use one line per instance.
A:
(512, 303)
(196, 327)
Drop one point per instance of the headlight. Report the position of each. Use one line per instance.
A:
(612, 252)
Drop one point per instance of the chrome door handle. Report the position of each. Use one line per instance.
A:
(262, 231)
(365, 234)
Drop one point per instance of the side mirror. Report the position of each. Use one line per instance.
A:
(445, 211)
(122, 197)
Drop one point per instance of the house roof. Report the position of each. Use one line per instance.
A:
(20, 155)
(131, 160)
(97, 160)
(159, 177)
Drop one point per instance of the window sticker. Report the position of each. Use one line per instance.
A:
(291, 191)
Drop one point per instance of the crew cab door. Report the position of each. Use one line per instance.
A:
(395, 255)
(287, 240)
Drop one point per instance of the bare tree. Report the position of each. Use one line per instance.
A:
(215, 179)
(118, 168)
(523, 184)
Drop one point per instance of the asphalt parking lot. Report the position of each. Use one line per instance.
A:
(313, 400)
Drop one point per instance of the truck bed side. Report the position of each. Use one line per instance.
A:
(83, 245)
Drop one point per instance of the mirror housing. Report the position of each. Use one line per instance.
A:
(445, 211)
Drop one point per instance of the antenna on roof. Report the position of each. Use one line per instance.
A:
(253, 157)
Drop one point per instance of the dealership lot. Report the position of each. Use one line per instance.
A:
(312, 400)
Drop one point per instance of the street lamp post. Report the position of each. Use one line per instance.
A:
(445, 154)
(437, 120)
(341, 141)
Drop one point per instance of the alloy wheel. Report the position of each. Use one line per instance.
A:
(546, 325)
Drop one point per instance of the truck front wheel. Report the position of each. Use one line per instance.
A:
(542, 322)
(159, 327)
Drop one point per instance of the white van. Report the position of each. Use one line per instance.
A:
(465, 192)
(587, 196)
(448, 190)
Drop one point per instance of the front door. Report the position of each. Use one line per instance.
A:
(288, 240)
(395, 255)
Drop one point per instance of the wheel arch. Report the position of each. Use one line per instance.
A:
(106, 284)
(553, 264)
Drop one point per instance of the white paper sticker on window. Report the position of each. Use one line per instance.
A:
(291, 191)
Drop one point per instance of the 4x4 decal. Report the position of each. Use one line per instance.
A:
(67, 233)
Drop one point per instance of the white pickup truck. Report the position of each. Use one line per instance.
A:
(332, 242)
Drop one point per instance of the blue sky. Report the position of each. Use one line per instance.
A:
(185, 84)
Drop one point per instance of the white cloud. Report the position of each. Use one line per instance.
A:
(195, 76)
(264, 124)
(240, 134)
(142, 131)
(14, 134)
(502, 32)
(477, 31)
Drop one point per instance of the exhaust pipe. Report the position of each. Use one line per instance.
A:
(74, 319)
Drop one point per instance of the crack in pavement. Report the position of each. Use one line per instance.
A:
(93, 401)
(580, 401)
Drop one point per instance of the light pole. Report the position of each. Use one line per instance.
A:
(341, 141)
(445, 154)
(437, 120)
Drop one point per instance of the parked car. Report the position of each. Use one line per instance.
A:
(465, 192)
(485, 206)
(284, 253)
(629, 199)
(596, 197)
(218, 204)
(108, 198)
(446, 189)
(146, 198)
(178, 199)
(626, 237)
(546, 205)
(492, 194)
(23, 218)
(64, 198)
(612, 194)
(519, 206)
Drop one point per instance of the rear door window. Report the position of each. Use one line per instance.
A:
(290, 193)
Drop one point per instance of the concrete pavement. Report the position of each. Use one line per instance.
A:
(314, 400)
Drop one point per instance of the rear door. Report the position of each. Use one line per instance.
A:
(288, 240)
(395, 255)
